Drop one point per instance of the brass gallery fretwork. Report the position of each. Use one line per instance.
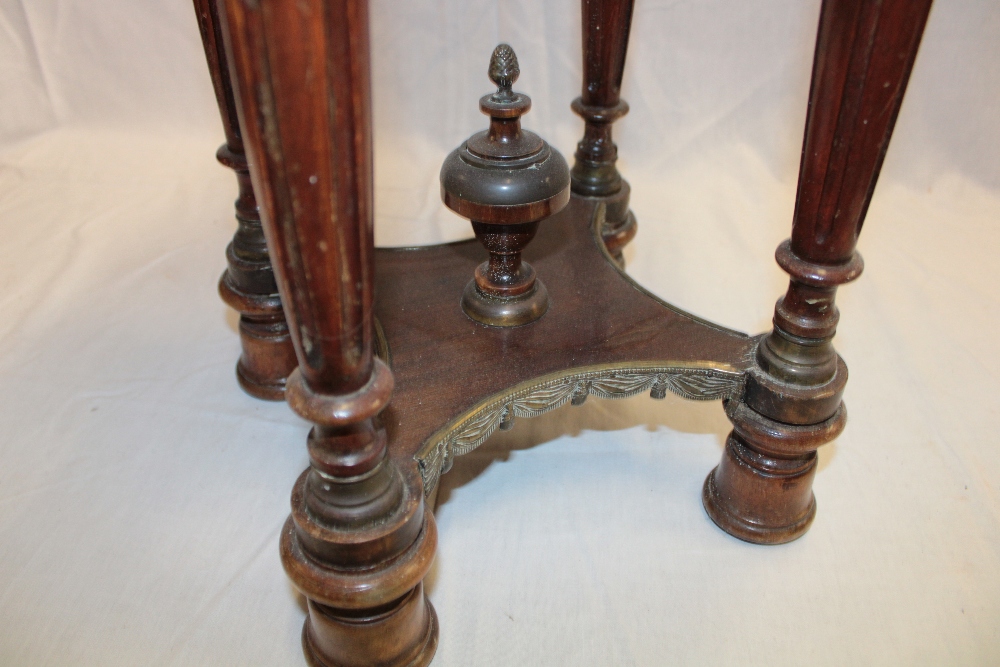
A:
(534, 398)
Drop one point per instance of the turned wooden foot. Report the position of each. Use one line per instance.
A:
(267, 356)
(248, 285)
(332, 639)
(791, 401)
(359, 540)
(762, 490)
(761, 498)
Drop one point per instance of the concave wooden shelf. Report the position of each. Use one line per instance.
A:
(603, 335)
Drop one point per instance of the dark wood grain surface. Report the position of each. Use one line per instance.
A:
(606, 25)
(445, 364)
(864, 54)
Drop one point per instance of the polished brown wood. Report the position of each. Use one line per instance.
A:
(762, 490)
(248, 284)
(604, 336)
(606, 25)
(359, 541)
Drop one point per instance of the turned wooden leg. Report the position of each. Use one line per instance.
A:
(248, 284)
(359, 540)
(762, 490)
(606, 25)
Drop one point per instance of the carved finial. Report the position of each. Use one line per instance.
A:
(504, 70)
(488, 180)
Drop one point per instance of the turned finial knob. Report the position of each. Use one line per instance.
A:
(505, 180)
(504, 71)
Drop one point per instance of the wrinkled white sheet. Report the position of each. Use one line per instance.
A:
(141, 493)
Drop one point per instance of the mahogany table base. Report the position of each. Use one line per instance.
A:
(399, 380)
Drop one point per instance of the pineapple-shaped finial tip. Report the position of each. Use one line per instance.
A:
(504, 70)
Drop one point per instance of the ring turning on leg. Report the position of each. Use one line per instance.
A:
(791, 402)
(359, 540)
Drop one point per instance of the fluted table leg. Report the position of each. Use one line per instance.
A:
(359, 541)
(762, 490)
(248, 284)
(606, 25)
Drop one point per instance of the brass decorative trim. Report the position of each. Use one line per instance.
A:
(696, 381)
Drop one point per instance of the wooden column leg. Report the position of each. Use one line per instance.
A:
(359, 541)
(762, 490)
(248, 283)
(606, 26)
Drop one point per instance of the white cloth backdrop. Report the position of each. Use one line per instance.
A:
(141, 492)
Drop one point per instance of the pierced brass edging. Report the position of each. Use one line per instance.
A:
(695, 381)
